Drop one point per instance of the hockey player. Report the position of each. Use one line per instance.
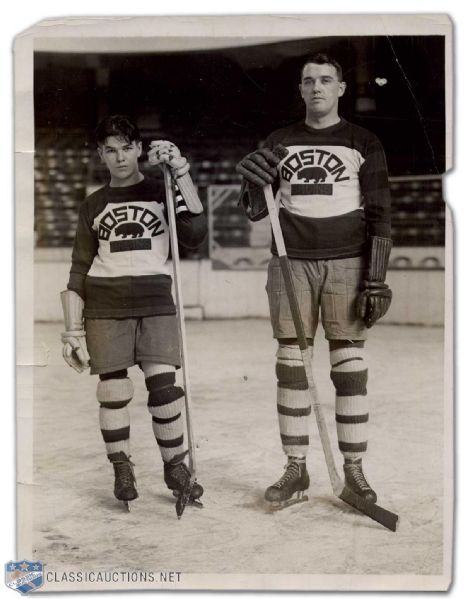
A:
(118, 307)
(334, 212)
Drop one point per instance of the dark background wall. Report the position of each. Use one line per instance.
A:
(217, 105)
(242, 94)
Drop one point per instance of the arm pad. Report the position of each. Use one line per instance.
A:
(189, 193)
(252, 200)
(379, 255)
(73, 310)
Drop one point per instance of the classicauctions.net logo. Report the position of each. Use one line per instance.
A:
(24, 576)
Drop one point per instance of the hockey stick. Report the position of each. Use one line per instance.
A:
(374, 511)
(184, 496)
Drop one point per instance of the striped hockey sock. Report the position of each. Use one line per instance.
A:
(165, 402)
(293, 405)
(114, 394)
(349, 376)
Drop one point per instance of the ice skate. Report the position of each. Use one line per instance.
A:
(124, 479)
(356, 481)
(179, 480)
(289, 489)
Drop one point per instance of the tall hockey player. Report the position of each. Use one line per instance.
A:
(118, 307)
(334, 211)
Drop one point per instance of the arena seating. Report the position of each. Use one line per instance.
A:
(67, 168)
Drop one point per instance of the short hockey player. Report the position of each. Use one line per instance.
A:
(334, 212)
(118, 307)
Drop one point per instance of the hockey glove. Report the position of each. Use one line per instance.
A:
(74, 343)
(259, 167)
(165, 152)
(373, 302)
(252, 193)
(376, 296)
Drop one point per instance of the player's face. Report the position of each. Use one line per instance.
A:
(321, 89)
(121, 158)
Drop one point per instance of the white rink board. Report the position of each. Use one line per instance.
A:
(241, 294)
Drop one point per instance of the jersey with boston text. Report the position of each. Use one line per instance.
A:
(119, 260)
(333, 187)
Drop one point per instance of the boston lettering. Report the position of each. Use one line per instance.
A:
(137, 219)
(314, 157)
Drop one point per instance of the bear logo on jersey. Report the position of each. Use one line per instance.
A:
(313, 177)
(314, 173)
(132, 229)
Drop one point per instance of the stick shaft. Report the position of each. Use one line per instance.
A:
(180, 314)
(374, 511)
(335, 480)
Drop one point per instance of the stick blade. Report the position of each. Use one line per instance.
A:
(374, 511)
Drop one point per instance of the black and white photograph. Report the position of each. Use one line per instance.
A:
(234, 302)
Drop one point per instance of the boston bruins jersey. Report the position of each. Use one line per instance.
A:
(119, 260)
(333, 188)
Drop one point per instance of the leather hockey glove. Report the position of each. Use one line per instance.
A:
(165, 152)
(74, 343)
(375, 298)
(374, 301)
(258, 169)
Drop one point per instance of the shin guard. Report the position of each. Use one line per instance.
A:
(114, 394)
(349, 376)
(293, 405)
(165, 403)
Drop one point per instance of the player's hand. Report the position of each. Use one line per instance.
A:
(373, 302)
(75, 350)
(259, 167)
(165, 152)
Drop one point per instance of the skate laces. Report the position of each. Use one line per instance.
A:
(357, 474)
(125, 471)
(292, 471)
(180, 473)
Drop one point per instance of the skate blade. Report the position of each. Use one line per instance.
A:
(183, 499)
(281, 505)
(191, 502)
(127, 505)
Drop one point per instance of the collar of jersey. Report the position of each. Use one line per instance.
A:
(335, 127)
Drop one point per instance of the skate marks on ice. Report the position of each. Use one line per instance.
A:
(79, 523)
(110, 537)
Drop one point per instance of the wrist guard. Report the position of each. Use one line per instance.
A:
(73, 310)
(74, 342)
(379, 255)
(252, 200)
(189, 193)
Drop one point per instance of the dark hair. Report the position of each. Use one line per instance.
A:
(323, 59)
(117, 125)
